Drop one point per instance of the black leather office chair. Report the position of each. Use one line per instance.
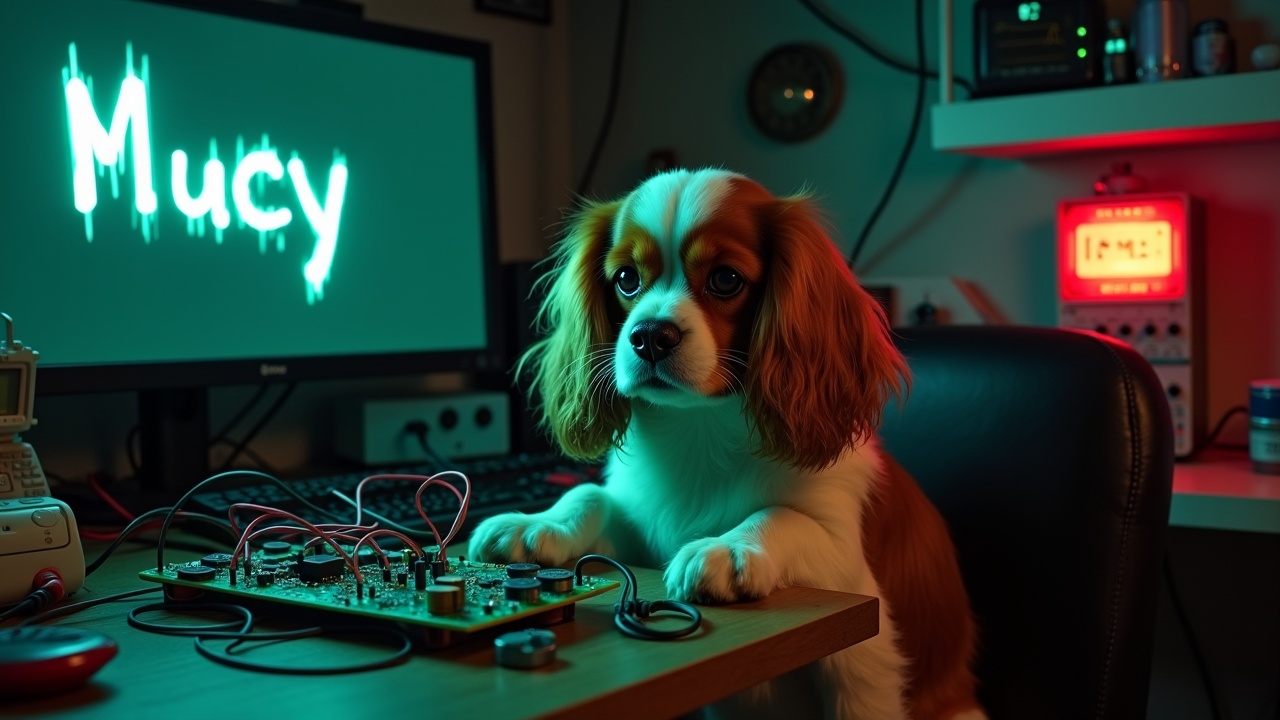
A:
(1050, 454)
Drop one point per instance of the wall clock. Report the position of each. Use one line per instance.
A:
(795, 91)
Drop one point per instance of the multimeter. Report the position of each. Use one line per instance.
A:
(20, 472)
(1132, 266)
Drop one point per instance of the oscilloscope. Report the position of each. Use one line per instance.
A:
(20, 472)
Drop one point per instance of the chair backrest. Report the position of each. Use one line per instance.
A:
(1050, 454)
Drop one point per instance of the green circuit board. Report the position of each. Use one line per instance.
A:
(485, 600)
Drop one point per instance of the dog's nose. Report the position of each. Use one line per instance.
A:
(653, 340)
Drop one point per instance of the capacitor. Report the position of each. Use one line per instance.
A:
(420, 575)
(523, 570)
(455, 580)
(216, 560)
(276, 547)
(522, 589)
(443, 599)
(196, 572)
(556, 580)
(402, 579)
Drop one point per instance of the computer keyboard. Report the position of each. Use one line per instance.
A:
(525, 483)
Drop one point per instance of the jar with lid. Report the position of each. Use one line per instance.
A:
(1264, 426)
(1213, 51)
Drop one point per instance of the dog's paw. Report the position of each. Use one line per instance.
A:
(721, 569)
(517, 537)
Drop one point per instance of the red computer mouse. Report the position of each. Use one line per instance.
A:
(43, 660)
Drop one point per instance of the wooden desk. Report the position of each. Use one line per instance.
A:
(598, 673)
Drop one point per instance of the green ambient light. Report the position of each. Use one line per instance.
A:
(95, 149)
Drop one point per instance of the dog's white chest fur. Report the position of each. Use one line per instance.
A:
(688, 473)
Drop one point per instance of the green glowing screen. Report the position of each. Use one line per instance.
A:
(180, 185)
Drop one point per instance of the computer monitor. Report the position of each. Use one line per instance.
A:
(209, 192)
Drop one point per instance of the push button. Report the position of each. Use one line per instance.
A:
(45, 517)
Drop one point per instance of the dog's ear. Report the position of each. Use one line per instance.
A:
(579, 321)
(822, 364)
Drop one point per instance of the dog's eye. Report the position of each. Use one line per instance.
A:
(724, 282)
(628, 280)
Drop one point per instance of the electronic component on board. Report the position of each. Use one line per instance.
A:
(556, 580)
(320, 568)
(522, 589)
(473, 597)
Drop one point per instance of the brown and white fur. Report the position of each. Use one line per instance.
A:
(709, 339)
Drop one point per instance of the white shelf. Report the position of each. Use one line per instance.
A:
(1226, 108)
(1222, 492)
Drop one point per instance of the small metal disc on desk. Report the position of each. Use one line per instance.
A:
(523, 570)
(525, 649)
(443, 599)
(556, 580)
(522, 589)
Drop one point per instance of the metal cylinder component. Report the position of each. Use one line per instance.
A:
(525, 649)
(556, 580)
(522, 589)
(523, 570)
(443, 599)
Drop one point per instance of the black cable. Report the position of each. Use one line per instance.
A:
(240, 632)
(1210, 690)
(134, 526)
(74, 608)
(260, 461)
(611, 103)
(843, 30)
(173, 511)
(222, 435)
(400, 655)
(630, 612)
(134, 463)
(419, 430)
(257, 428)
(906, 149)
(1217, 430)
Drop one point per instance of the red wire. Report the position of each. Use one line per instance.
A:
(92, 478)
(271, 513)
(331, 533)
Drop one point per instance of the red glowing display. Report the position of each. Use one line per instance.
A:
(1123, 248)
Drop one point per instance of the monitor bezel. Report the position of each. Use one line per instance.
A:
(58, 379)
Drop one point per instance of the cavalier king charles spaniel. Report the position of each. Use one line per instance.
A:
(708, 338)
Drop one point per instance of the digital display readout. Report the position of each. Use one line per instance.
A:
(1124, 250)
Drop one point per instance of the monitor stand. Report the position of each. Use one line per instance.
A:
(173, 429)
